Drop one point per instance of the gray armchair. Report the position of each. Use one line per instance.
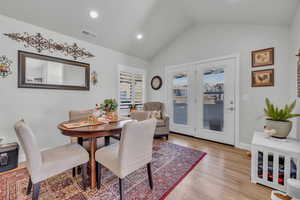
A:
(162, 125)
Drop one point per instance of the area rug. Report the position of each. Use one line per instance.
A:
(171, 163)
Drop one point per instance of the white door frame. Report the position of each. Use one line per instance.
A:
(236, 89)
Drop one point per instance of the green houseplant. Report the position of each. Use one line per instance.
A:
(110, 106)
(277, 119)
(133, 107)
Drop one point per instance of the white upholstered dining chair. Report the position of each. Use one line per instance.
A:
(137, 115)
(44, 164)
(132, 152)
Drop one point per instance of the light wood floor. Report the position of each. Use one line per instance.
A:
(223, 174)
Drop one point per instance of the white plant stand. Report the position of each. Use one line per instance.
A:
(274, 161)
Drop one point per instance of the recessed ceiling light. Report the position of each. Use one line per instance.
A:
(139, 36)
(94, 14)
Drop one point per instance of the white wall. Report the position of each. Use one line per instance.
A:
(210, 41)
(44, 109)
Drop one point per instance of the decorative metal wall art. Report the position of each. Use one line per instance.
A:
(5, 64)
(298, 74)
(40, 43)
(94, 78)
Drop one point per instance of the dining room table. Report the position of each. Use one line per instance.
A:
(92, 133)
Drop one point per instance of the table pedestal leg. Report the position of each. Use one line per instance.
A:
(93, 162)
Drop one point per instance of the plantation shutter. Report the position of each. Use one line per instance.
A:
(131, 90)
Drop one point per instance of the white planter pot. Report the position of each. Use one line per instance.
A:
(282, 129)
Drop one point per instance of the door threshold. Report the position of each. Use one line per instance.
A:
(182, 134)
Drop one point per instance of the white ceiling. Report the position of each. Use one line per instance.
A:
(161, 21)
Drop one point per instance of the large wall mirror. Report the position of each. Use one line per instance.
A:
(39, 71)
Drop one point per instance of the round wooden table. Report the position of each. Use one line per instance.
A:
(93, 132)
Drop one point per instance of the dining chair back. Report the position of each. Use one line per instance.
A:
(136, 143)
(132, 152)
(80, 114)
(30, 146)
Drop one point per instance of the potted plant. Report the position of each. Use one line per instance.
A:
(110, 106)
(133, 107)
(277, 122)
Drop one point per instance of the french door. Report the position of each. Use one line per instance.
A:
(201, 99)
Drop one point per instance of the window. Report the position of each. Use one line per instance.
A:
(131, 88)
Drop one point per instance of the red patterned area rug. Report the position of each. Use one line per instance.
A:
(171, 163)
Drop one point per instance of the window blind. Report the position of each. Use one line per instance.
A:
(131, 90)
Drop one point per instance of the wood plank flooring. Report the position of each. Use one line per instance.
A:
(223, 174)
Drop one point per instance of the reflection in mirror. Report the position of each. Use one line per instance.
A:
(37, 71)
(47, 72)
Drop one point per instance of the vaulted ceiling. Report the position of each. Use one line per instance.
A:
(160, 21)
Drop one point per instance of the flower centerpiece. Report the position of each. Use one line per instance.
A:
(277, 120)
(110, 106)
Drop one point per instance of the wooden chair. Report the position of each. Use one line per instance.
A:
(132, 152)
(44, 164)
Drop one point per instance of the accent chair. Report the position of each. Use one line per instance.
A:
(140, 115)
(162, 125)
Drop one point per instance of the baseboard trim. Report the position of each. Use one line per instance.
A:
(176, 133)
(244, 146)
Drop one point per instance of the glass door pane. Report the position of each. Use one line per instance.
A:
(213, 99)
(180, 98)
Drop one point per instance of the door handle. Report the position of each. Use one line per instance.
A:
(231, 108)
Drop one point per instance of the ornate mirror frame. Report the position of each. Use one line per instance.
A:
(22, 55)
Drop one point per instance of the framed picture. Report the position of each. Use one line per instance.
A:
(263, 78)
(263, 57)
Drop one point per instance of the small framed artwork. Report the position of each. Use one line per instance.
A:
(263, 78)
(263, 57)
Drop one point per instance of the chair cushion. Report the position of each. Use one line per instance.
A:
(60, 159)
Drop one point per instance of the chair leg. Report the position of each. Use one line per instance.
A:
(29, 187)
(150, 175)
(84, 176)
(106, 140)
(74, 172)
(80, 142)
(36, 191)
(121, 188)
(99, 166)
